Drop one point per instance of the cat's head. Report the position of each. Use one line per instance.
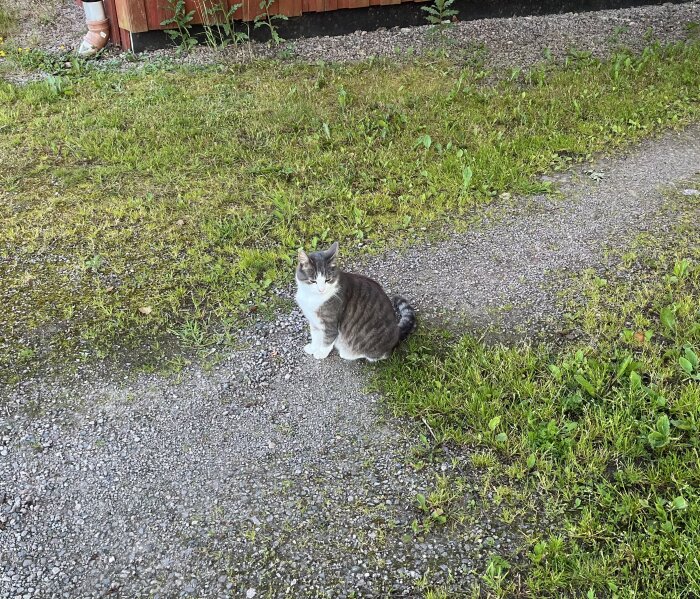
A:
(318, 269)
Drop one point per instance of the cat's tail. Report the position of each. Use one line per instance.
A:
(407, 316)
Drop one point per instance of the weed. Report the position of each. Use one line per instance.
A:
(440, 12)
(181, 34)
(440, 15)
(495, 575)
(94, 263)
(268, 21)
(575, 56)
(63, 63)
(618, 32)
(220, 26)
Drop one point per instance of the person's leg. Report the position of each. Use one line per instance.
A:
(98, 28)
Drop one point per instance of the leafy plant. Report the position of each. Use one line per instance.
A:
(57, 85)
(424, 140)
(660, 436)
(667, 315)
(268, 20)
(496, 574)
(219, 25)
(618, 32)
(94, 263)
(693, 29)
(689, 364)
(181, 34)
(220, 28)
(439, 13)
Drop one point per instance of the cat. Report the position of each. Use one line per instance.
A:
(347, 311)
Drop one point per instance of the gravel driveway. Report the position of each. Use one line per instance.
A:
(276, 475)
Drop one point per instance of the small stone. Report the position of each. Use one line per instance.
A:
(250, 593)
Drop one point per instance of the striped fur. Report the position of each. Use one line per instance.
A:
(406, 314)
(347, 311)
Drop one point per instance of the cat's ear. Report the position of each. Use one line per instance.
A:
(303, 258)
(332, 252)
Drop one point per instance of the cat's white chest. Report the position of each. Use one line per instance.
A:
(310, 301)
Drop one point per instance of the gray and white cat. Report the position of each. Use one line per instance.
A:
(347, 311)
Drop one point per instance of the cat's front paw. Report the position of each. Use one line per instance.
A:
(309, 349)
(322, 352)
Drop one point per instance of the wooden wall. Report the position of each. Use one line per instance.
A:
(137, 16)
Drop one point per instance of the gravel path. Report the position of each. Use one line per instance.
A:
(276, 475)
(517, 41)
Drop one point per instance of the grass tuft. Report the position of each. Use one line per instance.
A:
(8, 20)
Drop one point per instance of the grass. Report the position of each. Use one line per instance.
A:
(606, 431)
(8, 20)
(159, 206)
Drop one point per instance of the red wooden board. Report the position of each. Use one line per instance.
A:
(239, 11)
(145, 15)
(157, 12)
(132, 15)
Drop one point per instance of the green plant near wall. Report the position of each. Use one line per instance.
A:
(181, 34)
(439, 12)
(268, 20)
(219, 25)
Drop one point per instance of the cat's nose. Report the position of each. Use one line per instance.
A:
(321, 288)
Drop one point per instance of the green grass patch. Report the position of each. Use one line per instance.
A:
(8, 22)
(156, 206)
(607, 431)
